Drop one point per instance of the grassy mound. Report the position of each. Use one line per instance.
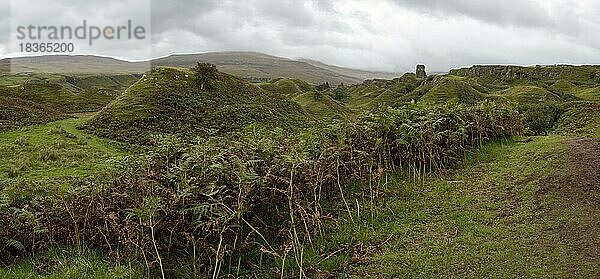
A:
(317, 105)
(67, 93)
(580, 118)
(113, 82)
(321, 106)
(452, 89)
(288, 87)
(529, 95)
(586, 93)
(564, 86)
(168, 101)
(58, 97)
(373, 93)
(16, 113)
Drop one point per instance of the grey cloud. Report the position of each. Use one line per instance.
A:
(388, 35)
(516, 12)
(182, 14)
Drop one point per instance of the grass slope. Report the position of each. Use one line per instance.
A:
(528, 94)
(320, 106)
(317, 105)
(288, 87)
(55, 150)
(65, 93)
(494, 217)
(167, 101)
(373, 93)
(451, 89)
(55, 96)
(15, 113)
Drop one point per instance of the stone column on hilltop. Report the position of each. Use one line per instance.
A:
(421, 71)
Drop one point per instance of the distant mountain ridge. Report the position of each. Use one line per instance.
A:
(243, 64)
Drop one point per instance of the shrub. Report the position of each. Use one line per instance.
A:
(48, 154)
(205, 72)
(18, 167)
(229, 199)
(540, 118)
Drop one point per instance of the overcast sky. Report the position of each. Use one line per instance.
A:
(386, 35)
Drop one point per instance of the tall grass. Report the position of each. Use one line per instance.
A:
(248, 202)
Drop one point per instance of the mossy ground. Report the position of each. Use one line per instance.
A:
(168, 101)
(491, 218)
(72, 264)
(56, 150)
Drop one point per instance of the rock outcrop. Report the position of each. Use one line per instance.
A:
(421, 71)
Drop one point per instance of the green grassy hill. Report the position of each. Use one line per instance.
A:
(287, 87)
(452, 89)
(66, 93)
(27, 99)
(168, 101)
(16, 113)
(528, 94)
(58, 97)
(373, 93)
(317, 105)
(320, 106)
(521, 85)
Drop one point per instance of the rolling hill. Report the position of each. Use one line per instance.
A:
(252, 64)
(242, 64)
(67, 64)
(168, 101)
(364, 75)
(317, 105)
(66, 93)
(17, 112)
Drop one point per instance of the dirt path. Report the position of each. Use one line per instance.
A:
(580, 188)
(582, 181)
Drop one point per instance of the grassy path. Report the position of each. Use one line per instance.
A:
(54, 150)
(502, 215)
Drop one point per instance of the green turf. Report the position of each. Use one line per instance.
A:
(485, 220)
(287, 87)
(320, 106)
(452, 89)
(65, 93)
(69, 263)
(168, 101)
(580, 119)
(528, 95)
(16, 112)
(55, 150)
